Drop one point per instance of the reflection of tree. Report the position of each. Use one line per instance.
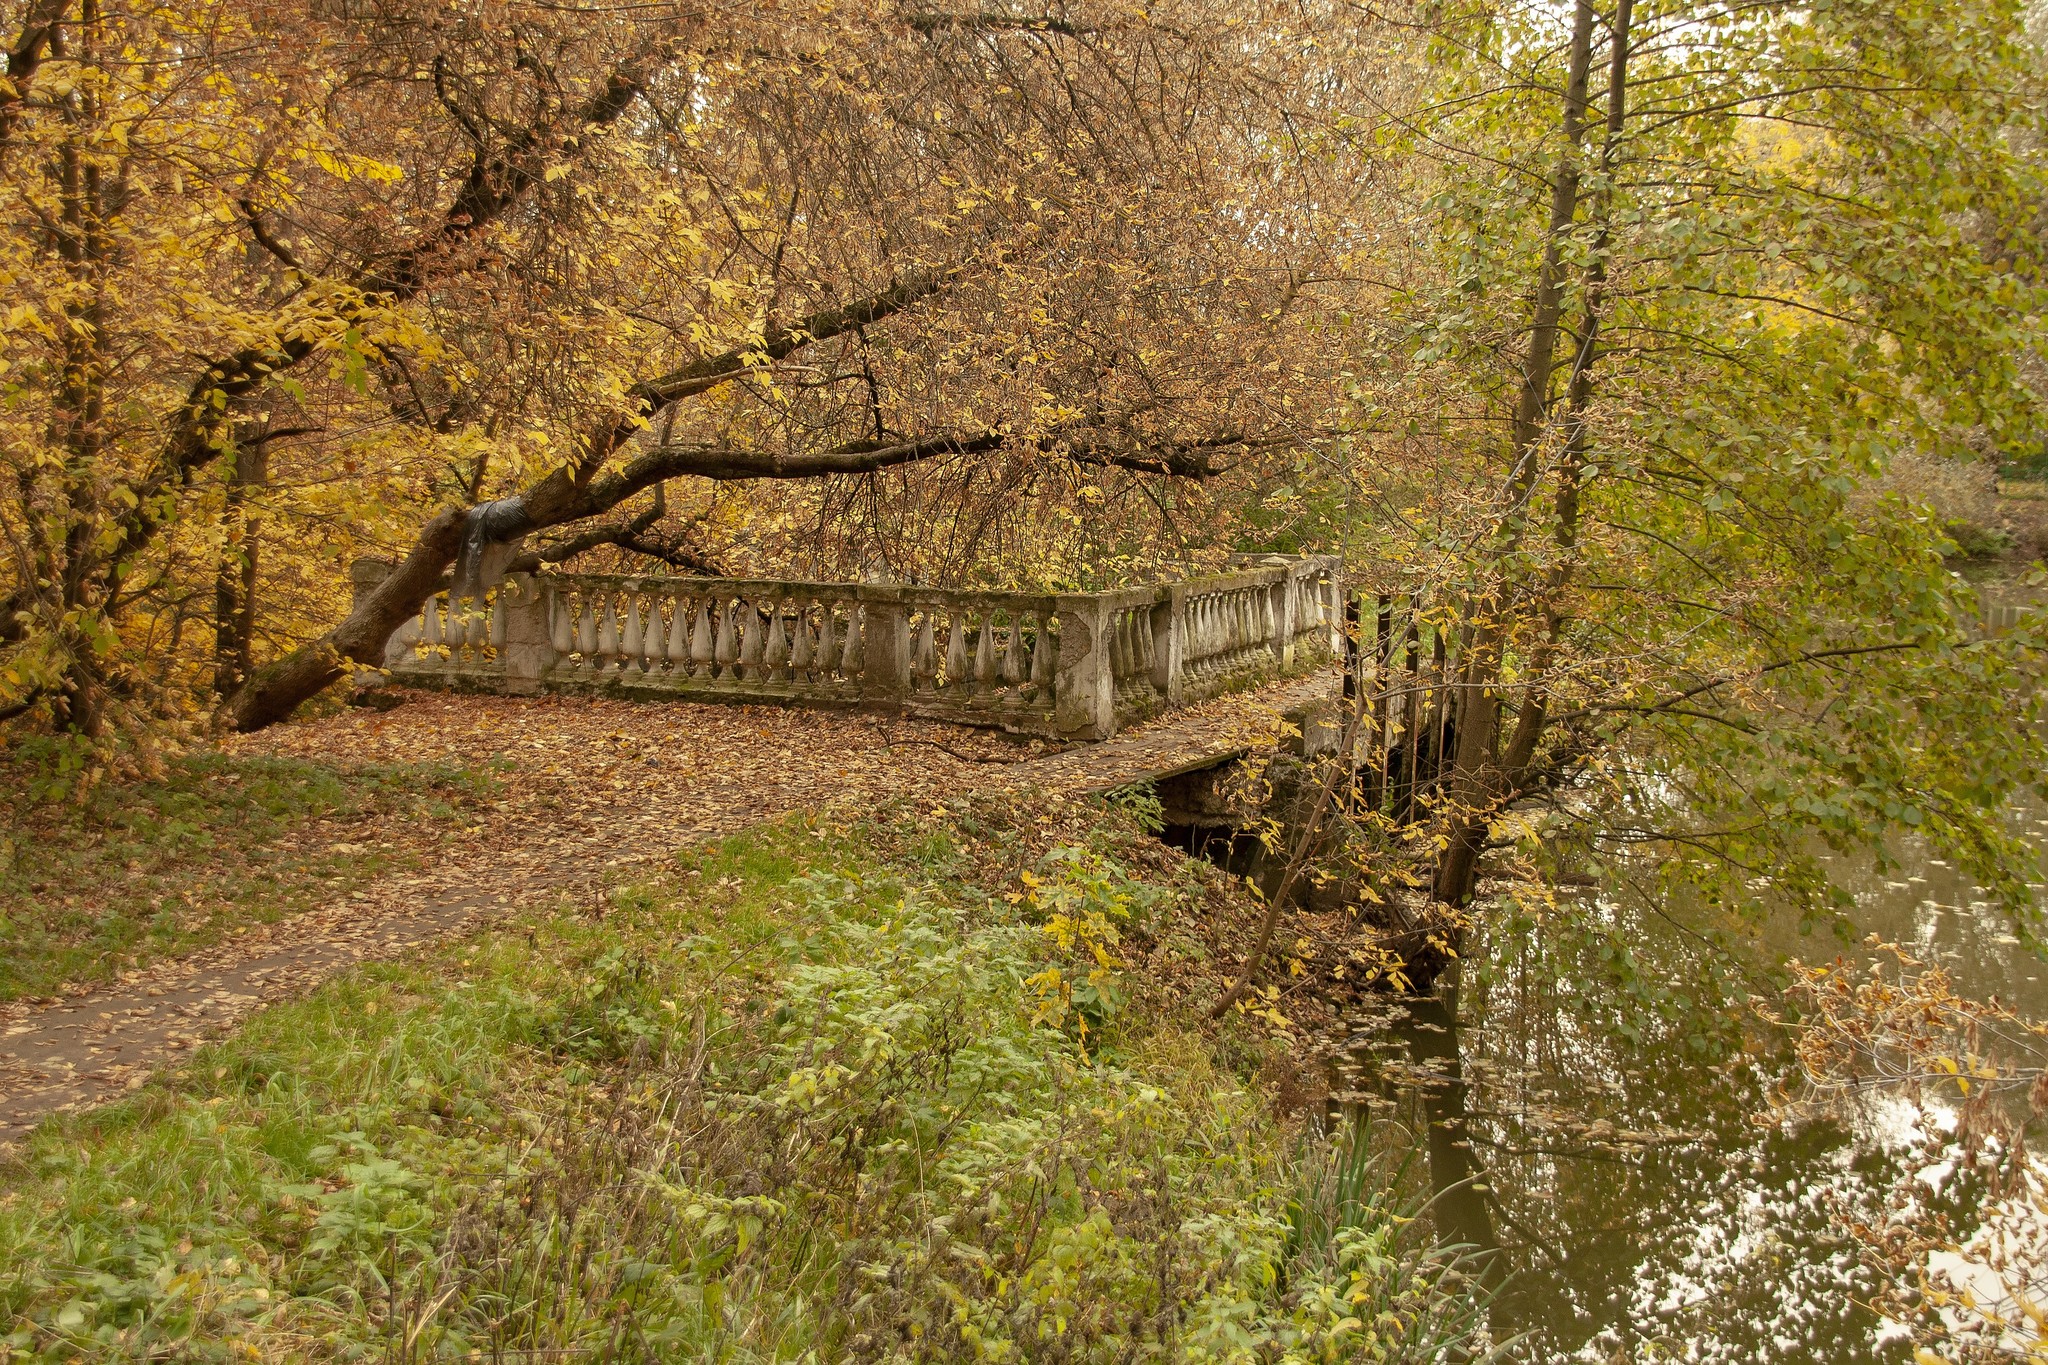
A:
(1459, 1203)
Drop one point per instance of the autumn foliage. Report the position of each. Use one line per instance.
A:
(295, 283)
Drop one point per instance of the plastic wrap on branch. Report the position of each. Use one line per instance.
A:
(490, 522)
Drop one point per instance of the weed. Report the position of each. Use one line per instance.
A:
(792, 1100)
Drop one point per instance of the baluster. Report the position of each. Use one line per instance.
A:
(654, 644)
(727, 652)
(431, 635)
(586, 631)
(924, 664)
(455, 630)
(956, 649)
(1013, 659)
(800, 647)
(984, 664)
(853, 654)
(678, 650)
(702, 635)
(405, 642)
(747, 615)
(775, 653)
(476, 630)
(497, 635)
(632, 641)
(828, 647)
(560, 634)
(608, 634)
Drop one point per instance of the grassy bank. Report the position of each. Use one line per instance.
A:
(143, 870)
(861, 1091)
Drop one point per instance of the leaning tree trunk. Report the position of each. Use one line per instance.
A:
(277, 690)
(1484, 778)
(1475, 783)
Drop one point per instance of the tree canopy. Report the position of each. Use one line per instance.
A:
(313, 279)
(1593, 327)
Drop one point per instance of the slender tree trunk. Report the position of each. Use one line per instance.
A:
(1483, 776)
(80, 240)
(234, 588)
(1474, 771)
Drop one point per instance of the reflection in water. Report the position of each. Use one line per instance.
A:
(1434, 1070)
(1609, 1144)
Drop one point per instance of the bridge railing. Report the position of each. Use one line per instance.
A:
(1077, 665)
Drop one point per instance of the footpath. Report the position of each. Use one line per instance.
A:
(589, 791)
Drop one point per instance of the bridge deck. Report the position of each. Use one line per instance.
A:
(1177, 742)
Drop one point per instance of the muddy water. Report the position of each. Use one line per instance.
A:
(1641, 1209)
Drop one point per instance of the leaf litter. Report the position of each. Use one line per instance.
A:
(584, 790)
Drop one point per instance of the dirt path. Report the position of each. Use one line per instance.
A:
(589, 790)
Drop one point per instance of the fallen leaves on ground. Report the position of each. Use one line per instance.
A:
(584, 789)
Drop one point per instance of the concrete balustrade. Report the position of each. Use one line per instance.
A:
(1075, 666)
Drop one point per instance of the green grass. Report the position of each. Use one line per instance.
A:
(796, 1098)
(145, 870)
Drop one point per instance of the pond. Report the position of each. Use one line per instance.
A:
(1642, 1210)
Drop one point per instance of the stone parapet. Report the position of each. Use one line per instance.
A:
(1072, 666)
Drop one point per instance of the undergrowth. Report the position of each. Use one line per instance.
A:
(804, 1096)
(145, 869)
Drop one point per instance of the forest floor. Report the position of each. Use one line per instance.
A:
(899, 1081)
(162, 914)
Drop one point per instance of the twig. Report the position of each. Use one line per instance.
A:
(1254, 959)
(888, 742)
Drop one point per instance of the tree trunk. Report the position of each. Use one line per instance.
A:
(234, 586)
(1475, 775)
(276, 691)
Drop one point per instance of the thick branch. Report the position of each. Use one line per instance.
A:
(628, 535)
(724, 463)
(648, 398)
(264, 237)
(558, 500)
(930, 23)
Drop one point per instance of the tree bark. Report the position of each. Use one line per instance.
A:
(1475, 785)
(234, 586)
(276, 691)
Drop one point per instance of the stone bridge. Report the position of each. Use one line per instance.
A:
(1071, 666)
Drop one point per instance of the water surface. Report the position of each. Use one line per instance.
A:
(1620, 1158)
